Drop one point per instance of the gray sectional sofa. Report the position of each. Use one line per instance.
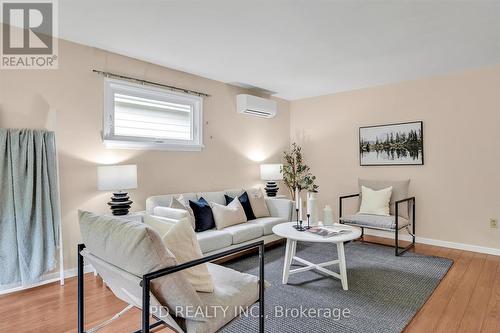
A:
(214, 241)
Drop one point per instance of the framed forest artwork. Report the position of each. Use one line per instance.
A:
(392, 144)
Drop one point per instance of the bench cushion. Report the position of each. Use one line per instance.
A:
(233, 291)
(400, 189)
(181, 240)
(374, 221)
(212, 240)
(268, 223)
(245, 232)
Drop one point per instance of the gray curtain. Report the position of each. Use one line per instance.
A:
(29, 205)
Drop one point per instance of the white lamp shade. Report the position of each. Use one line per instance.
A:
(116, 177)
(271, 172)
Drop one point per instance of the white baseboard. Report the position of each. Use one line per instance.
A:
(436, 242)
(48, 278)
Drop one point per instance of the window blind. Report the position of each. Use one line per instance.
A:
(154, 119)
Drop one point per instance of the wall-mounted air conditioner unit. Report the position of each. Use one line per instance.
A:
(256, 106)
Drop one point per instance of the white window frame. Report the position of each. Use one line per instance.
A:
(113, 86)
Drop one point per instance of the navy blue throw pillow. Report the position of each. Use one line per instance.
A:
(203, 217)
(245, 202)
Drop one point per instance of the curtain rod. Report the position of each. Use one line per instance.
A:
(117, 76)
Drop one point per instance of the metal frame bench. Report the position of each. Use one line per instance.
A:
(398, 250)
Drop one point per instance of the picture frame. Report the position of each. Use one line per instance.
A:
(392, 144)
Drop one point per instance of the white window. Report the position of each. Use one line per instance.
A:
(144, 117)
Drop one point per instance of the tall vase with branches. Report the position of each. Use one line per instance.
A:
(296, 174)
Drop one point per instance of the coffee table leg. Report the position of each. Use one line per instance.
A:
(342, 265)
(294, 250)
(289, 252)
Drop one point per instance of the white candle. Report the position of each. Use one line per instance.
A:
(297, 198)
(300, 210)
(308, 207)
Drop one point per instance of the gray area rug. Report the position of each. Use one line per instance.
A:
(385, 291)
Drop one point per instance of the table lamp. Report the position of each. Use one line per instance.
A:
(117, 178)
(271, 173)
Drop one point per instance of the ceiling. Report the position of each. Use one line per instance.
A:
(294, 48)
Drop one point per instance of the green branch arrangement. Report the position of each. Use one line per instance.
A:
(296, 174)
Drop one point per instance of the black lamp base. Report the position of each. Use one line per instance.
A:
(120, 203)
(271, 188)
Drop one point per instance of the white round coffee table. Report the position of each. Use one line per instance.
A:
(286, 230)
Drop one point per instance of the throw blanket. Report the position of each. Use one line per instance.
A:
(29, 205)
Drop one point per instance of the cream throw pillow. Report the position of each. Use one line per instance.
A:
(375, 202)
(258, 202)
(226, 216)
(181, 240)
(181, 203)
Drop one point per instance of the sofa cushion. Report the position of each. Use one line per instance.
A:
(212, 240)
(203, 217)
(258, 202)
(217, 197)
(137, 249)
(233, 291)
(181, 202)
(280, 208)
(187, 196)
(376, 221)
(267, 223)
(234, 192)
(171, 213)
(245, 202)
(245, 232)
(400, 190)
(226, 216)
(165, 200)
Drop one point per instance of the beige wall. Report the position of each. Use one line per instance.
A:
(457, 189)
(70, 100)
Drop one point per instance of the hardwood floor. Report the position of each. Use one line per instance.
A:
(467, 300)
